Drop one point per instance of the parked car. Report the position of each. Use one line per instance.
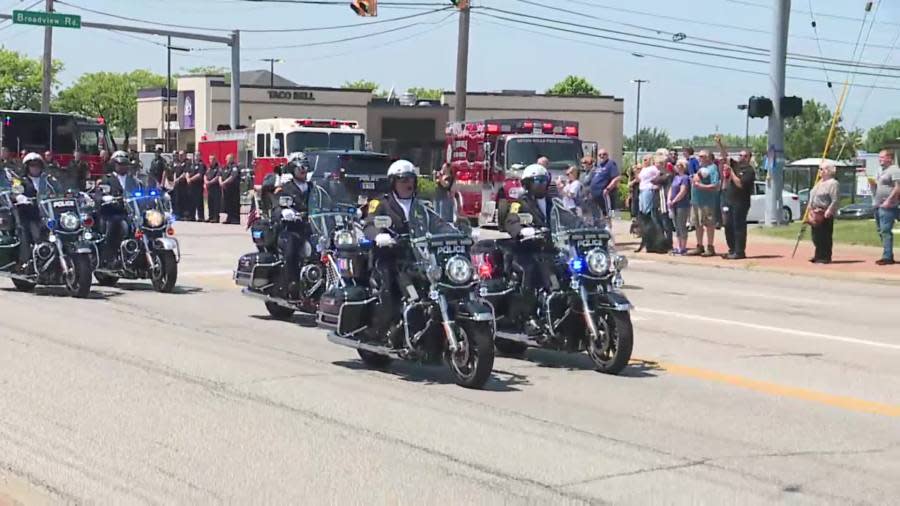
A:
(364, 172)
(789, 212)
(862, 210)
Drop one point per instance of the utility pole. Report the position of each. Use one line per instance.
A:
(272, 62)
(235, 79)
(775, 158)
(47, 79)
(637, 120)
(746, 108)
(462, 62)
(169, 48)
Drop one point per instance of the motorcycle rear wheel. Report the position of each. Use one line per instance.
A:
(620, 331)
(78, 282)
(279, 312)
(472, 364)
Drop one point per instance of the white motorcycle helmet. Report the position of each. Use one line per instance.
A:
(120, 157)
(32, 157)
(401, 169)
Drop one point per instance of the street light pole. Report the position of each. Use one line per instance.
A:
(272, 62)
(169, 48)
(637, 120)
(462, 63)
(745, 107)
(47, 70)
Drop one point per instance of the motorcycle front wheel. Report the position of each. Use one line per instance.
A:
(165, 274)
(616, 327)
(78, 281)
(472, 363)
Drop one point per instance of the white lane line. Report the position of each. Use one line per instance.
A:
(755, 326)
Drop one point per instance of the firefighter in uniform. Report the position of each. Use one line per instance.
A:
(195, 180)
(214, 189)
(158, 168)
(181, 201)
(402, 176)
(529, 241)
(35, 184)
(231, 190)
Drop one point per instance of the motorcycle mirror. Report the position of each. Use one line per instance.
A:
(526, 219)
(383, 221)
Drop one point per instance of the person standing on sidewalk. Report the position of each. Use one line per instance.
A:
(231, 190)
(213, 190)
(603, 182)
(823, 203)
(886, 199)
(740, 176)
(679, 201)
(704, 195)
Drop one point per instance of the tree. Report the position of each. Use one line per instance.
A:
(426, 93)
(805, 135)
(649, 140)
(20, 80)
(574, 85)
(205, 70)
(111, 95)
(878, 136)
(360, 84)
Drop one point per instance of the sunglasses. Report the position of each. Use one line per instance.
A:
(541, 179)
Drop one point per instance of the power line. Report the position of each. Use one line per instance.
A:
(11, 24)
(642, 40)
(812, 22)
(664, 58)
(255, 30)
(834, 16)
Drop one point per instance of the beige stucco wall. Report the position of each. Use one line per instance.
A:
(600, 119)
(440, 115)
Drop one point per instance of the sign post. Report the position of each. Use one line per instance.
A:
(51, 19)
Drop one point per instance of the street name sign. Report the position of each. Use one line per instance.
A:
(51, 19)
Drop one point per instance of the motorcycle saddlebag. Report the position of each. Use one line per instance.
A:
(256, 270)
(347, 310)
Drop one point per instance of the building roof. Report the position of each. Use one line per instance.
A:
(531, 93)
(264, 78)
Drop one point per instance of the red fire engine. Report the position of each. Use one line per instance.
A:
(487, 157)
(270, 141)
(61, 134)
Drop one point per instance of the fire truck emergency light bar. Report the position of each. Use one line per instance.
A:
(533, 126)
(327, 123)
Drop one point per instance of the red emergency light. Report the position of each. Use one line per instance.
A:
(493, 128)
(548, 127)
(572, 130)
(528, 125)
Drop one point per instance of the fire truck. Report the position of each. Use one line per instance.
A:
(61, 134)
(488, 156)
(269, 142)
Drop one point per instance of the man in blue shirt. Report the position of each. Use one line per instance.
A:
(693, 165)
(704, 193)
(603, 182)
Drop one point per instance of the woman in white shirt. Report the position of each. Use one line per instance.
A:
(571, 190)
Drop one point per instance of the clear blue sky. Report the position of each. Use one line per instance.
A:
(681, 98)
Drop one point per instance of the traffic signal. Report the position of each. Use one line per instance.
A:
(365, 7)
(460, 4)
(759, 107)
(791, 107)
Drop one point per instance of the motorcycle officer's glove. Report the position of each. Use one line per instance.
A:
(285, 179)
(21, 199)
(383, 240)
(289, 215)
(527, 232)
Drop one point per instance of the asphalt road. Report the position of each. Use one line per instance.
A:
(746, 388)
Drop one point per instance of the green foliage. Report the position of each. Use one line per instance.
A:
(205, 70)
(426, 93)
(111, 95)
(425, 188)
(649, 140)
(360, 84)
(805, 135)
(20, 80)
(878, 136)
(574, 85)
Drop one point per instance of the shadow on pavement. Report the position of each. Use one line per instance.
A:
(138, 286)
(581, 362)
(428, 374)
(298, 319)
(847, 262)
(60, 292)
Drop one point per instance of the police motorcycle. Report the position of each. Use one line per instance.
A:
(441, 316)
(63, 254)
(148, 249)
(259, 273)
(583, 310)
(9, 241)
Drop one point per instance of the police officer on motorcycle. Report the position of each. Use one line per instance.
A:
(35, 184)
(403, 176)
(293, 226)
(115, 186)
(529, 240)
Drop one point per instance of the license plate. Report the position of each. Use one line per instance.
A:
(368, 185)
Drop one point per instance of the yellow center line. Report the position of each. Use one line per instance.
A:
(777, 390)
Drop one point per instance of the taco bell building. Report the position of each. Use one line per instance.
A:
(407, 127)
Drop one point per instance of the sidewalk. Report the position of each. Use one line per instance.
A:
(771, 254)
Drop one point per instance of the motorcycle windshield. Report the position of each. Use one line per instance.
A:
(329, 211)
(151, 202)
(424, 222)
(586, 217)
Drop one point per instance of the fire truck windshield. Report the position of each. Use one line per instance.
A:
(305, 141)
(91, 141)
(562, 151)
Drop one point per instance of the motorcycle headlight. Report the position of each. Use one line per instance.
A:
(597, 261)
(69, 221)
(459, 270)
(344, 238)
(154, 219)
